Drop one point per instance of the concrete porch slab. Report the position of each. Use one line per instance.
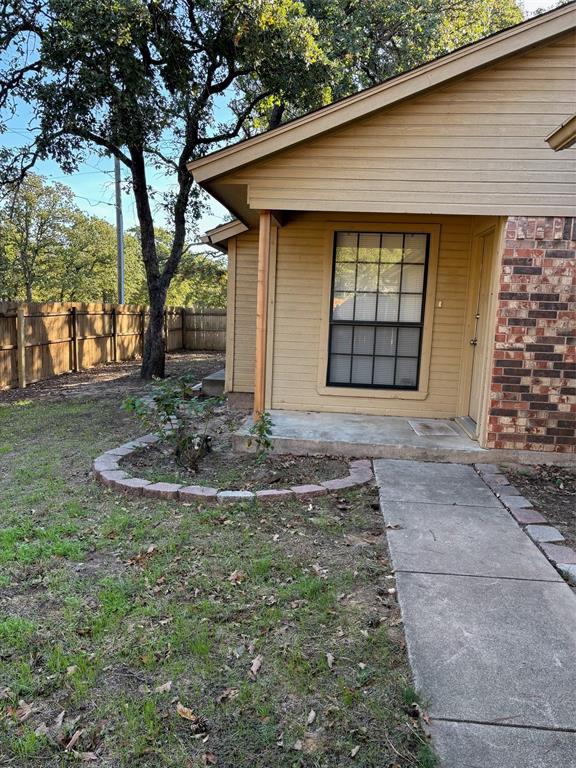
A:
(462, 540)
(390, 437)
(469, 745)
(491, 650)
(412, 481)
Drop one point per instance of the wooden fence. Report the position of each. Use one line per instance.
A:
(41, 341)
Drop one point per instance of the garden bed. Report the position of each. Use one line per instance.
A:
(223, 468)
(552, 491)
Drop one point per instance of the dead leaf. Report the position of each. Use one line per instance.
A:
(311, 717)
(164, 688)
(393, 527)
(330, 660)
(236, 577)
(255, 666)
(227, 695)
(71, 670)
(297, 745)
(86, 757)
(209, 758)
(23, 711)
(186, 713)
(354, 751)
(74, 740)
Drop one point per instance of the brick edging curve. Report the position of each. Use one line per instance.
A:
(107, 470)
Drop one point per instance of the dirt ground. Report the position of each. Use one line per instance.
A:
(233, 471)
(112, 379)
(552, 491)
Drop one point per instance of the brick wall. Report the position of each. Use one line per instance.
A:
(533, 391)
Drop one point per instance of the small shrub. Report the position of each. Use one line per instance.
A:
(178, 417)
(260, 434)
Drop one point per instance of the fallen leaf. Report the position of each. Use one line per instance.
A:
(74, 740)
(354, 751)
(393, 527)
(71, 670)
(236, 577)
(186, 713)
(297, 745)
(164, 688)
(209, 758)
(227, 695)
(255, 666)
(311, 717)
(23, 711)
(330, 660)
(86, 757)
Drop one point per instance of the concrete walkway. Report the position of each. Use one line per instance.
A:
(490, 624)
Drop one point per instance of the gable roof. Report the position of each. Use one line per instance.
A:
(437, 72)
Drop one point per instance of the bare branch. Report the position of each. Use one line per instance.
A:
(242, 117)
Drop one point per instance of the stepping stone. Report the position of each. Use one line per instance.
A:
(417, 481)
(492, 650)
(475, 541)
(559, 554)
(468, 745)
(568, 571)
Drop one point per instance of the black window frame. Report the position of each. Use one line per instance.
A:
(379, 324)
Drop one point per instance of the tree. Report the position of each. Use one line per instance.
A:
(33, 229)
(141, 81)
(158, 83)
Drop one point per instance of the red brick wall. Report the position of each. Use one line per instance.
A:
(533, 391)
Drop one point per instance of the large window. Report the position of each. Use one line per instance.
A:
(378, 289)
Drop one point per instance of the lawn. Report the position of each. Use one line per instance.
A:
(140, 633)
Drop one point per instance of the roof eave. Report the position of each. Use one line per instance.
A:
(564, 136)
(506, 43)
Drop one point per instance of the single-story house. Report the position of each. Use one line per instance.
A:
(411, 250)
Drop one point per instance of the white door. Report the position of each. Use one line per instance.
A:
(480, 341)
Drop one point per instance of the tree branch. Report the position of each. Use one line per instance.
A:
(242, 117)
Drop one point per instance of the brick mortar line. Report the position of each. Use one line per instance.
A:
(108, 471)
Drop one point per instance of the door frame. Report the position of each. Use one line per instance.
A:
(480, 229)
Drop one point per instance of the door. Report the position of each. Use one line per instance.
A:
(480, 341)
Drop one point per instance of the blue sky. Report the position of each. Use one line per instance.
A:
(93, 182)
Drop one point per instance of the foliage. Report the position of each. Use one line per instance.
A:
(52, 251)
(149, 94)
(178, 417)
(260, 433)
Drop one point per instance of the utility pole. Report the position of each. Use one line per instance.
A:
(119, 231)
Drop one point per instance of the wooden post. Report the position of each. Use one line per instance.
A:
(21, 346)
(262, 311)
(74, 339)
(183, 322)
(166, 337)
(114, 334)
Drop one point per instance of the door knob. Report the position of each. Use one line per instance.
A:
(474, 341)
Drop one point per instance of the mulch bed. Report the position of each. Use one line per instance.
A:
(223, 468)
(552, 491)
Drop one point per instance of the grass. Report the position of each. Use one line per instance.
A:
(113, 610)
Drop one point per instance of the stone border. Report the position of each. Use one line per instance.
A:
(108, 471)
(544, 535)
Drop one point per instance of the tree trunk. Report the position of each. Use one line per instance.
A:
(153, 361)
(28, 292)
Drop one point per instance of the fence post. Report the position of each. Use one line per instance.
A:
(183, 323)
(74, 339)
(21, 347)
(114, 335)
(166, 343)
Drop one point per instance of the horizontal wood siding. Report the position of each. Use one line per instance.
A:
(300, 305)
(475, 146)
(245, 311)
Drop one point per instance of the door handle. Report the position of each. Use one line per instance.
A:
(474, 341)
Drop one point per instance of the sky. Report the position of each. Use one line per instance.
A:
(93, 183)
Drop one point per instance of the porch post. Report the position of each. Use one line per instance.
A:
(262, 310)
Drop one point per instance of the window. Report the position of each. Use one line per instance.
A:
(377, 313)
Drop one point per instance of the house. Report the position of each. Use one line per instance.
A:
(410, 250)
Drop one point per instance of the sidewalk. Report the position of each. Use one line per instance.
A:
(490, 624)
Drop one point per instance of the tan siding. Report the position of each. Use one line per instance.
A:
(298, 339)
(476, 145)
(246, 265)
